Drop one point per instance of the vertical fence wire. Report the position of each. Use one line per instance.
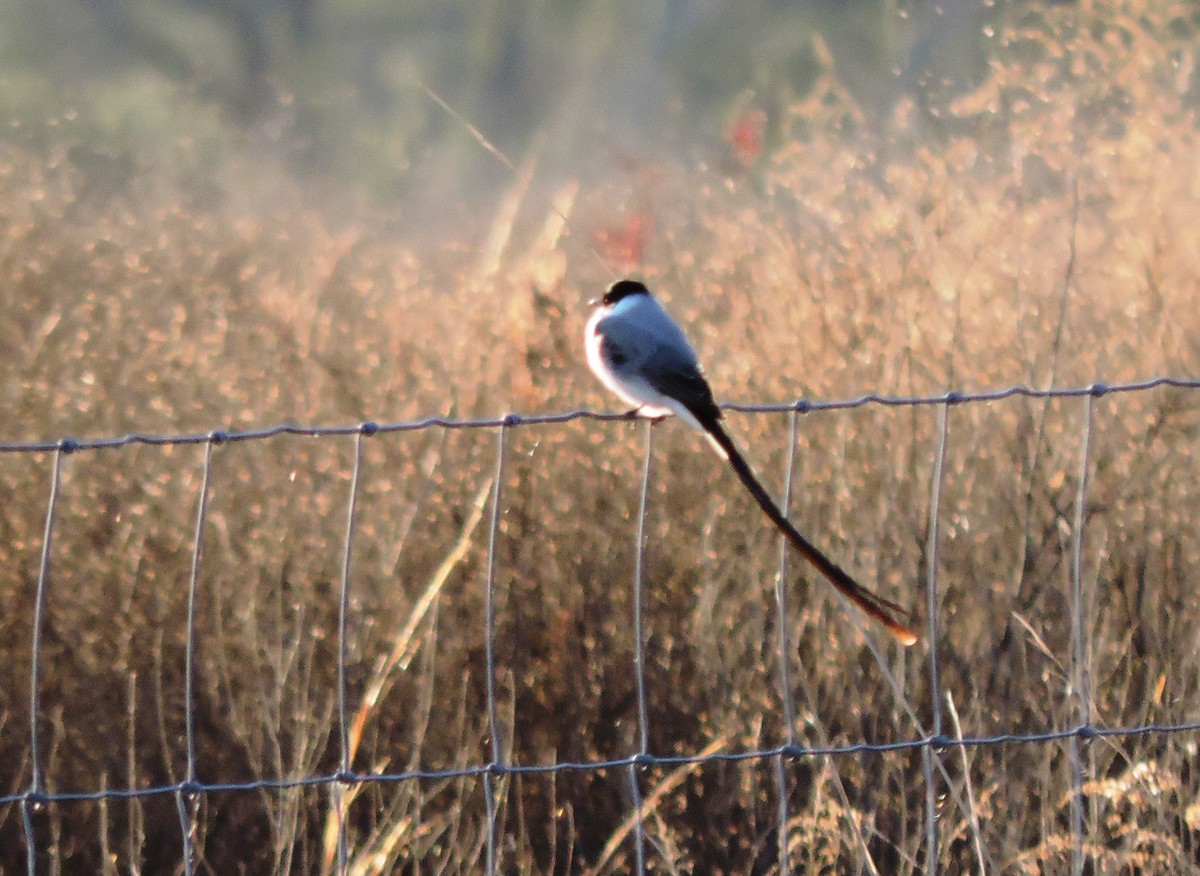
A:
(785, 649)
(1080, 676)
(931, 585)
(639, 646)
(189, 668)
(928, 753)
(931, 811)
(489, 803)
(639, 656)
(34, 797)
(639, 829)
(497, 763)
(39, 608)
(28, 807)
(184, 803)
(337, 791)
(187, 798)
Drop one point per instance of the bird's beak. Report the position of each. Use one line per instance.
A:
(593, 302)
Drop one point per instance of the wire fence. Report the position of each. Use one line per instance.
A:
(938, 737)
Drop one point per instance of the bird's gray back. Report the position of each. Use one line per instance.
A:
(648, 339)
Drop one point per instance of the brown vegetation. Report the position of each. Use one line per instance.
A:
(1043, 234)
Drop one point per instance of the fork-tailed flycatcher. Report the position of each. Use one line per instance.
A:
(640, 353)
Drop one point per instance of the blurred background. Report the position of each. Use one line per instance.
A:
(334, 89)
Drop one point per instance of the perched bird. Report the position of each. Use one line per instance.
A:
(639, 352)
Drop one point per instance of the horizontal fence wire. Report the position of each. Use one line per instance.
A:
(931, 743)
(644, 761)
(371, 427)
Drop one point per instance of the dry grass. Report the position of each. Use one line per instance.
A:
(1043, 234)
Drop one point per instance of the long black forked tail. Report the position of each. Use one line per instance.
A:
(876, 607)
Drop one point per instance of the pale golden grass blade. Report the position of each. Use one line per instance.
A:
(669, 784)
(404, 647)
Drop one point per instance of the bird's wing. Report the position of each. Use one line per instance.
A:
(687, 384)
(659, 353)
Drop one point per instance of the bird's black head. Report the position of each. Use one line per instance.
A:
(623, 289)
